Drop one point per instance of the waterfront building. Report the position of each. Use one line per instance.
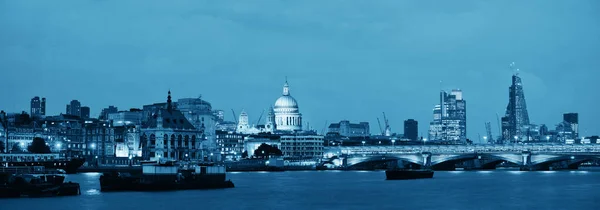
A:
(573, 120)
(106, 111)
(74, 108)
(199, 112)
(226, 126)
(516, 118)
(68, 131)
(38, 107)
(345, 128)
(121, 118)
(302, 146)
(169, 134)
(230, 144)
(99, 140)
(411, 129)
(450, 118)
(287, 112)
(85, 112)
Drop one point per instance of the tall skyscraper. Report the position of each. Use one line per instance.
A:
(449, 118)
(411, 129)
(38, 107)
(516, 117)
(573, 120)
(74, 108)
(85, 112)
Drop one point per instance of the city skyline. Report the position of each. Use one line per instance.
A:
(383, 63)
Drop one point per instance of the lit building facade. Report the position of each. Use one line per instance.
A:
(516, 118)
(121, 118)
(106, 111)
(302, 146)
(345, 128)
(230, 144)
(169, 134)
(573, 120)
(450, 118)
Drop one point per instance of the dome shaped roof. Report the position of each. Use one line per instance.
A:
(286, 101)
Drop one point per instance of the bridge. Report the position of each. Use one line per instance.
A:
(447, 157)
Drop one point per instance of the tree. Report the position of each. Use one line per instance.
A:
(16, 148)
(38, 146)
(245, 154)
(2, 147)
(265, 150)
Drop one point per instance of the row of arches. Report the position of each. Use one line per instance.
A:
(174, 141)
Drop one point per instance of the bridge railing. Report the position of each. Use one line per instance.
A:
(454, 149)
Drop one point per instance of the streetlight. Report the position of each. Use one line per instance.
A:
(393, 142)
(516, 138)
(485, 139)
(363, 143)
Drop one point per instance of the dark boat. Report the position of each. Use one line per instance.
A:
(400, 174)
(166, 176)
(49, 161)
(35, 185)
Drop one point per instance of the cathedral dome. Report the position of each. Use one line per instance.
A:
(286, 102)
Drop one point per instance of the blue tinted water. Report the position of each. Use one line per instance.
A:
(349, 190)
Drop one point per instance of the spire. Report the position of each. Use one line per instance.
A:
(169, 102)
(286, 88)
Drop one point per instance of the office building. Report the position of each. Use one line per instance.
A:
(345, 128)
(85, 112)
(411, 129)
(573, 120)
(38, 107)
(516, 117)
(74, 108)
(449, 118)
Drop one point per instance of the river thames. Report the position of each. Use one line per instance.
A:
(349, 190)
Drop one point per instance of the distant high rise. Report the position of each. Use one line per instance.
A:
(106, 111)
(85, 112)
(516, 117)
(38, 106)
(449, 118)
(74, 108)
(411, 129)
(573, 120)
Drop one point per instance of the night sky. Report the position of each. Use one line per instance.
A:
(343, 59)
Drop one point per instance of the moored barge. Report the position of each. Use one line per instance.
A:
(166, 175)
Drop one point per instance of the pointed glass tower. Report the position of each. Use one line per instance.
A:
(516, 112)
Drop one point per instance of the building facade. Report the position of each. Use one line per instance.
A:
(450, 118)
(230, 144)
(74, 108)
(106, 111)
(287, 113)
(38, 107)
(121, 118)
(169, 134)
(516, 117)
(85, 112)
(573, 120)
(411, 129)
(302, 146)
(345, 128)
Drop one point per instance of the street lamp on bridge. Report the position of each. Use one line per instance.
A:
(363, 143)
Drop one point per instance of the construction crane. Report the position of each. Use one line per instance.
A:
(234, 116)
(488, 130)
(260, 117)
(499, 128)
(388, 130)
(324, 128)
(380, 129)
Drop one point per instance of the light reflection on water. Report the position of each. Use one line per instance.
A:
(347, 190)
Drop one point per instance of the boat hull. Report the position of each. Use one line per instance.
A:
(408, 174)
(113, 183)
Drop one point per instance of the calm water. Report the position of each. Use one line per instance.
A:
(349, 190)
